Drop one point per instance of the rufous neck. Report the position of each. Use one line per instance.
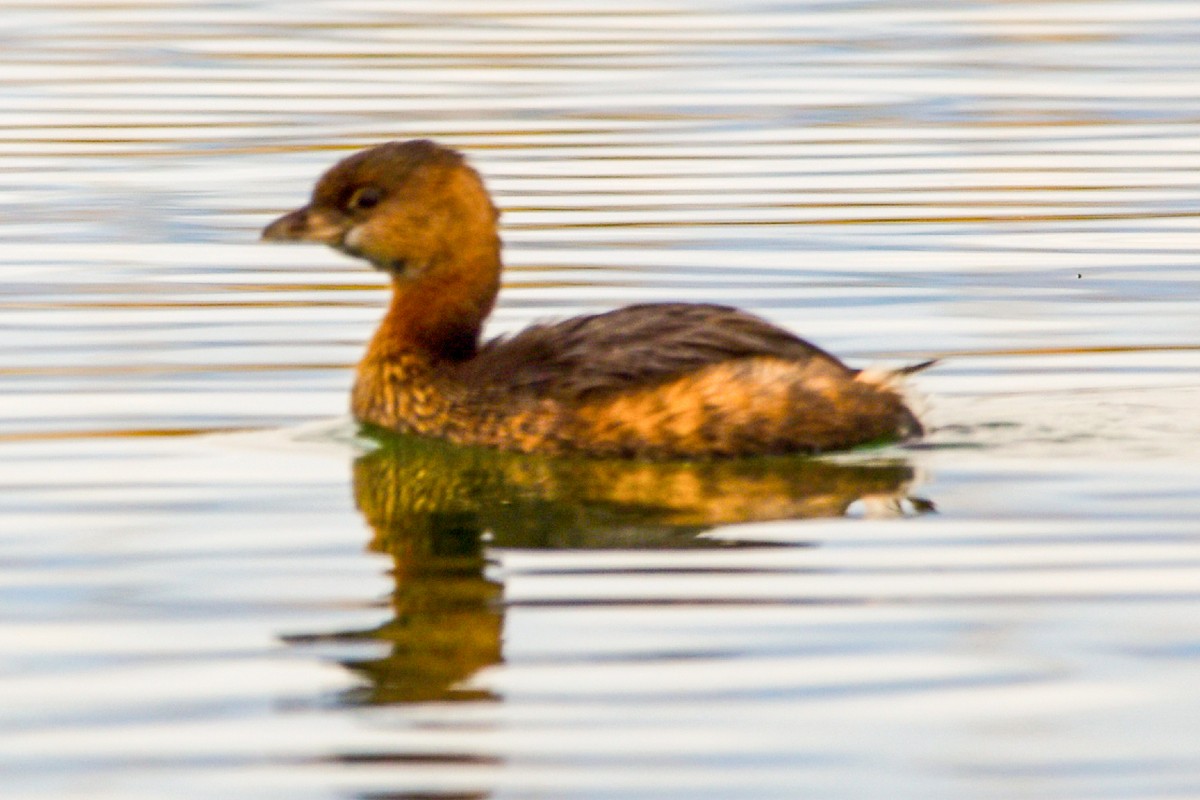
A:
(438, 316)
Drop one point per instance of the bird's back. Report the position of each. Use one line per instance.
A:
(672, 380)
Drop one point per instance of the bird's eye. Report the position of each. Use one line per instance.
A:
(365, 198)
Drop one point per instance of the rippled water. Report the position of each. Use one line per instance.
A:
(210, 586)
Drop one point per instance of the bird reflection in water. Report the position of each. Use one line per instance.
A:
(436, 509)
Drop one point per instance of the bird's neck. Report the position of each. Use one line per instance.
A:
(438, 316)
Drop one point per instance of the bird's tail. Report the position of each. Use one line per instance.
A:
(891, 376)
(891, 379)
(911, 368)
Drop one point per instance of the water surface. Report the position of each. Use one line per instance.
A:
(212, 586)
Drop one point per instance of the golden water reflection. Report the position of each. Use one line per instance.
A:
(437, 509)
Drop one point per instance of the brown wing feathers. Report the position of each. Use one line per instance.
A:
(631, 347)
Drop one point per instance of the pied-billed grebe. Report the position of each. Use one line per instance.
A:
(657, 380)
